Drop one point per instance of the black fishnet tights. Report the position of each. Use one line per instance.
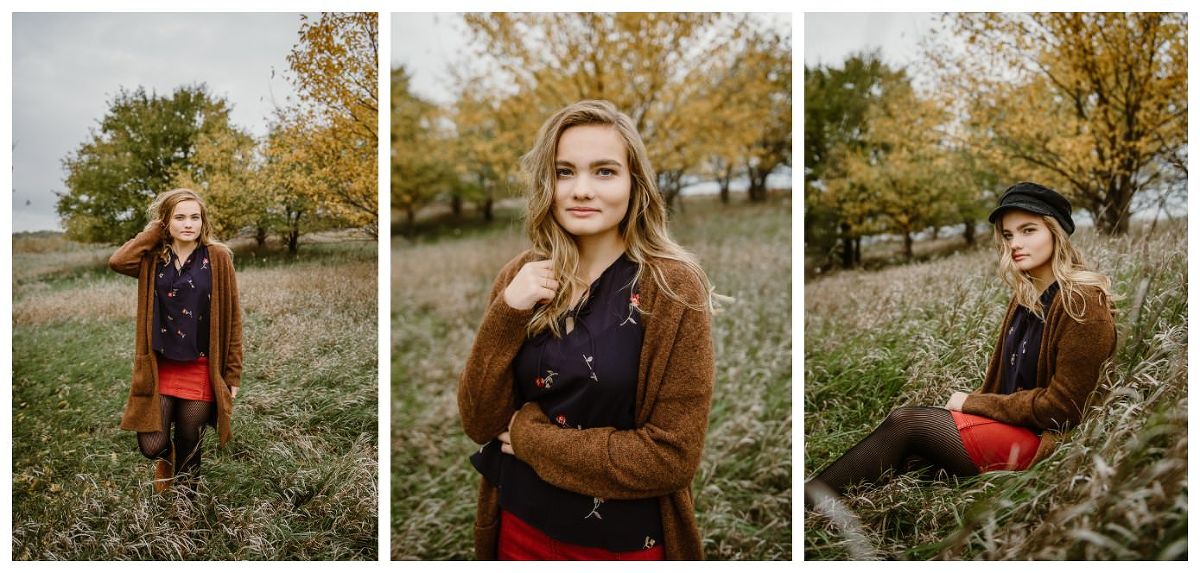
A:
(189, 417)
(910, 437)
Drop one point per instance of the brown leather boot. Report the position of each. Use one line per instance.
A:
(164, 472)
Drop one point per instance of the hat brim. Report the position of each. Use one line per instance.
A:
(1022, 205)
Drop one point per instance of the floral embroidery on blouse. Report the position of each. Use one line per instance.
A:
(204, 263)
(634, 305)
(649, 542)
(588, 360)
(546, 382)
(561, 419)
(595, 508)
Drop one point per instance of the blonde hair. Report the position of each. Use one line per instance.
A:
(1069, 268)
(643, 230)
(163, 206)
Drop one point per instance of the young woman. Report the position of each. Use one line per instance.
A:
(591, 375)
(188, 347)
(1056, 335)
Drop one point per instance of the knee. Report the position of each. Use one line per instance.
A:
(154, 451)
(902, 417)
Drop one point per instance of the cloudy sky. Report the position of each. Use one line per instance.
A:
(829, 38)
(66, 67)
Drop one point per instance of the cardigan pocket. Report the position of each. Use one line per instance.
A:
(144, 381)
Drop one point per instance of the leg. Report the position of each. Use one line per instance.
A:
(922, 432)
(190, 419)
(157, 445)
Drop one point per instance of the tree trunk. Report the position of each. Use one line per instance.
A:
(725, 180)
(293, 236)
(260, 237)
(456, 205)
(486, 208)
(410, 217)
(758, 185)
(969, 232)
(858, 251)
(847, 247)
(934, 236)
(908, 246)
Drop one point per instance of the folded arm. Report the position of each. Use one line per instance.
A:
(657, 458)
(1081, 353)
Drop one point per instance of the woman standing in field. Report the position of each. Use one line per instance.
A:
(1055, 337)
(591, 375)
(188, 347)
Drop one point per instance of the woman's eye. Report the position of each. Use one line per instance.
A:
(605, 172)
(562, 172)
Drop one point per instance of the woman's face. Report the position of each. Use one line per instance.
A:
(1029, 240)
(185, 222)
(592, 181)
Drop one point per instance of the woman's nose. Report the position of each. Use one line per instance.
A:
(582, 188)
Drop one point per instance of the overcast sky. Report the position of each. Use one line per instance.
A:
(829, 38)
(66, 67)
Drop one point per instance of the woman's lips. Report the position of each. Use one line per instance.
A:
(1019, 257)
(582, 212)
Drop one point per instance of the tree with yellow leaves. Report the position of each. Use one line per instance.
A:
(334, 70)
(1092, 103)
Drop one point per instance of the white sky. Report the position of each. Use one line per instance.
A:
(829, 38)
(66, 67)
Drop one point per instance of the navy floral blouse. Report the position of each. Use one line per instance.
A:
(586, 379)
(181, 301)
(1022, 343)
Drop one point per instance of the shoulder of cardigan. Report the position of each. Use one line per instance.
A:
(1095, 308)
(682, 279)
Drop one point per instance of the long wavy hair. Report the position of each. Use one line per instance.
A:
(643, 230)
(163, 206)
(1069, 268)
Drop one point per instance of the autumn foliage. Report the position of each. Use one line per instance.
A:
(1094, 105)
(709, 93)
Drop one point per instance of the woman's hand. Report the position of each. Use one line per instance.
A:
(233, 391)
(956, 401)
(505, 437)
(534, 283)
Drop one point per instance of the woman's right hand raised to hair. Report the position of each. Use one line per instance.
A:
(534, 283)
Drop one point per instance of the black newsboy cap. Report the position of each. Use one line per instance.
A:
(1037, 199)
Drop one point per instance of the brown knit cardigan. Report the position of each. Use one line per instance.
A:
(137, 258)
(1070, 359)
(656, 460)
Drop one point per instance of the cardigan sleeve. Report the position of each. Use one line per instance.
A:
(485, 388)
(232, 366)
(655, 459)
(1081, 352)
(128, 258)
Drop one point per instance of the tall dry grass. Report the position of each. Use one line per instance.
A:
(912, 335)
(743, 487)
(298, 481)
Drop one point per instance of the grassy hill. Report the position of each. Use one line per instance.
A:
(912, 335)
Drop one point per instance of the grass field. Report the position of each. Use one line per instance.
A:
(743, 488)
(911, 335)
(297, 482)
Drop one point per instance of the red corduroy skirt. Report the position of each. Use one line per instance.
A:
(520, 541)
(995, 445)
(187, 380)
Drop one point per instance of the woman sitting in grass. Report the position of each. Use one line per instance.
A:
(1056, 335)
